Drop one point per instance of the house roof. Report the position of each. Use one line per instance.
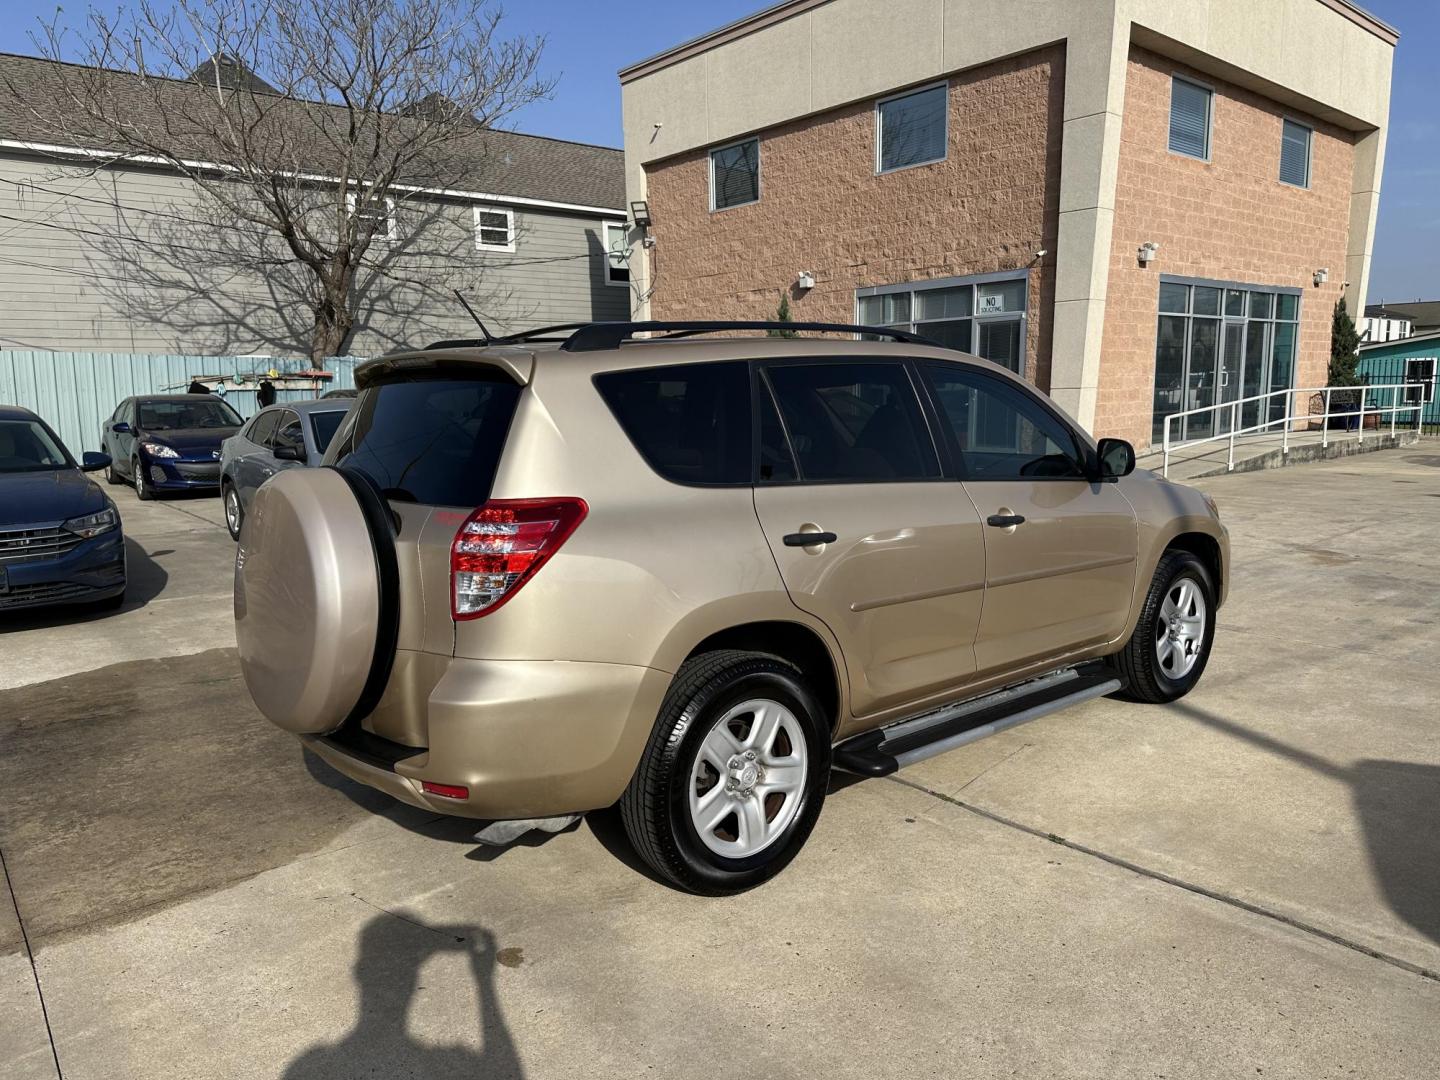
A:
(1423, 313)
(1398, 343)
(1380, 311)
(501, 163)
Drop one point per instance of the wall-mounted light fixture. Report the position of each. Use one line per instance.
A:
(1147, 252)
(805, 280)
(640, 211)
(1321, 276)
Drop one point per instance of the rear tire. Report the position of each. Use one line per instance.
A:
(111, 476)
(143, 491)
(1167, 653)
(734, 775)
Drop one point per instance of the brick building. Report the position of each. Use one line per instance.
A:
(1142, 206)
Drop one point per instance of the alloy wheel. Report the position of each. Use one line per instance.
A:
(1180, 628)
(748, 781)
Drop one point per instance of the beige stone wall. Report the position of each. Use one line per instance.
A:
(1229, 219)
(989, 206)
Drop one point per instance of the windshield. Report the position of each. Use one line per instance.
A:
(325, 424)
(25, 446)
(177, 415)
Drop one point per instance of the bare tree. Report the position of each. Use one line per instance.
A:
(308, 128)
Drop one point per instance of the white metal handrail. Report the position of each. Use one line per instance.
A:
(1290, 417)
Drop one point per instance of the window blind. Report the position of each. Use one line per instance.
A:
(1189, 119)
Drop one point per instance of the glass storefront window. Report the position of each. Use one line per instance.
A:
(1217, 343)
(985, 316)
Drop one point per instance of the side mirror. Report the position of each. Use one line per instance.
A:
(121, 428)
(90, 461)
(286, 452)
(1117, 458)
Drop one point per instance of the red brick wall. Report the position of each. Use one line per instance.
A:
(1228, 219)
(989, 206)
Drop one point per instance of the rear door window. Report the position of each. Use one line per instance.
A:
(435, 441)
(854, 422)
(323, 426)
(690, 422)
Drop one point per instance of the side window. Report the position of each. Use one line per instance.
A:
(1001, 431)
(690, 422)
(854, 422)
(288, 432)
(263, 427)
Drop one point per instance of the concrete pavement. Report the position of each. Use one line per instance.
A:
(1244, 884)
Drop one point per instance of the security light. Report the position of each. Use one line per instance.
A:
(640, 211)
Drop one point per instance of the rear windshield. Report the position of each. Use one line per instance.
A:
(430, 441)
(325, 425)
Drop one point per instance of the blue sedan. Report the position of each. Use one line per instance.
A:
(60, 536)
(168, 442)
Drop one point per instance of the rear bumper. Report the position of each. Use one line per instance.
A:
(528, 738)
(94, 570)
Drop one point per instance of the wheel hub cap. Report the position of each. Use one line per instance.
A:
(748, 781)
(1180, 629)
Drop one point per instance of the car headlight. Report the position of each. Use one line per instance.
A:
(93, 524)
(160, 450)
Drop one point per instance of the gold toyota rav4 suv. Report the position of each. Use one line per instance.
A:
(544, 574)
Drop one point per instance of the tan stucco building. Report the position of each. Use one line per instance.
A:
(1141, 205)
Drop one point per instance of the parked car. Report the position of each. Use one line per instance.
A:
(60, 535)
(167, 442)
(275, 438)
(689, 575)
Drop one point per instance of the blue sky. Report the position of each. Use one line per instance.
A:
(589, 40)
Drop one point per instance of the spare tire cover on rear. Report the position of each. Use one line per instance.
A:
(307, 600)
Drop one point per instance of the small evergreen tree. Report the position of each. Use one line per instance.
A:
(1344, 341)
(782, 314)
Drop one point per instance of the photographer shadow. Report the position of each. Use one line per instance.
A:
(393, 948)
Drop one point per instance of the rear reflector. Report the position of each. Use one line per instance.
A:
(502, 545)
(449, 791)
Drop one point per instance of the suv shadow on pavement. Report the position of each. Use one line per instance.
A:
(1398, 805)
(392, 950)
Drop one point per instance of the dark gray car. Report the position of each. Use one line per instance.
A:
(277, 437)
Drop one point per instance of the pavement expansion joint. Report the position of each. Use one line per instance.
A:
(1179, 883)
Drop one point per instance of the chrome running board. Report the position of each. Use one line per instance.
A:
(882, 752)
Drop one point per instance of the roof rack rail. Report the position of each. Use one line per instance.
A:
(594, 337)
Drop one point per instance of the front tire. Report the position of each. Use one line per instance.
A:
(1167, 653)
(734, 775)
(234, 512)
(143, 491)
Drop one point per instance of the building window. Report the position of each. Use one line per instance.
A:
(1421, 370)
(494, 228)
(1191, 107)
(982, 315)
(735, 175)
(910, 129)
(1295, 154)
(617, 253)
(1220, 342)
(370, 209)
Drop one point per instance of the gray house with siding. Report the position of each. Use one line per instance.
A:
(109, 253)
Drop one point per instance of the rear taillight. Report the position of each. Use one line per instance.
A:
(502, 545)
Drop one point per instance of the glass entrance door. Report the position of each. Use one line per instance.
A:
(1201, 378)
(1229, 375)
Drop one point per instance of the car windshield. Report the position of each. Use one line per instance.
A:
(176, 415)
(25, 446)
(325, 424)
